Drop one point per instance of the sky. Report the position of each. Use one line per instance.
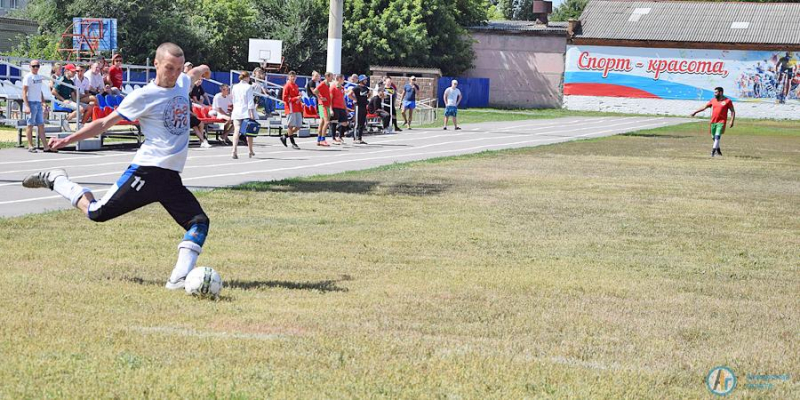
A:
(557, 3)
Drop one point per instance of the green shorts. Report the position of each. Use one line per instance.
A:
(324, 112)
(717, 128)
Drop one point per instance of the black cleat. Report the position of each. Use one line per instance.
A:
(283, 140)
(719, 151)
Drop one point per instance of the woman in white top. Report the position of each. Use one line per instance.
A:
(243, 108)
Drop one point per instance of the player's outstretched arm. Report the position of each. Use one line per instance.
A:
(199, 72)
(701, 109)
(90, 130)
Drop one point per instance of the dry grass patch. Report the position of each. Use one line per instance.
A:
(624, 267)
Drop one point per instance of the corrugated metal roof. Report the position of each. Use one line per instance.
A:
(684, 21)
(521, 26)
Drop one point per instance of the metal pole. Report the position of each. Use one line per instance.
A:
(335, 36)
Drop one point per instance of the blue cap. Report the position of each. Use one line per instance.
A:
(362, 78)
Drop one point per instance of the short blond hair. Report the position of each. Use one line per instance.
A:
(168, 48)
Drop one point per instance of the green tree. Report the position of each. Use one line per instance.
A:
(569, 9)
(302, 25)
(224, 24)
(413, 33)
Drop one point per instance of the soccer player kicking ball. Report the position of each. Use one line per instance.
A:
(719, 116)
(162, 108)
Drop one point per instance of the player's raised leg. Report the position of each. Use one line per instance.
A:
(184, 208)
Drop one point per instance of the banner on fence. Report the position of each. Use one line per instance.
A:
(680, 74)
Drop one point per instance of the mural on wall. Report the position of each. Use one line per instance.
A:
(682, 74)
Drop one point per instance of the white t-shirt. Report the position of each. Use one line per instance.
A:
(163, 115)
(221, 103)
(452, 97)
(242, 94)
(82, 84)
(34, 84)
(95, 81)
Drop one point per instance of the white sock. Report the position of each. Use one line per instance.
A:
(187, 258)
(69, 189)
(716, 142)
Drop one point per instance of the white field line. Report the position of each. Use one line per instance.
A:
(439, 152)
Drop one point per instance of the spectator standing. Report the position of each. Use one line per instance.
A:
(32, 105)
(319, 89)
(339, 109)
(294, 109)
(409, 101)
(361, 94)
(243, 108)
(452, 98)
(391, 91)
(221, 108)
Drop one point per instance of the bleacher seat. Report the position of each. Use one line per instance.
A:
(101, 101)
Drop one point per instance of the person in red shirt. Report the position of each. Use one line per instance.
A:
(323, 92)
(293, 108)
(720, 105)
(339, 109)
(115, 72)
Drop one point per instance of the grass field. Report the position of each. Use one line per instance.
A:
(623, 267)
(8, 137)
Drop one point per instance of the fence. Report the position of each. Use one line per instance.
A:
(474, 91)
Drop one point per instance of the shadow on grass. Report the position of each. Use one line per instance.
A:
(349, 186)
(654, 135)
(330, 285)
(320, 286)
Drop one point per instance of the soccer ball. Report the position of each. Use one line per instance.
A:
(203, 282)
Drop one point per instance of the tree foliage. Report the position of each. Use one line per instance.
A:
(413, 33)
(569, 9)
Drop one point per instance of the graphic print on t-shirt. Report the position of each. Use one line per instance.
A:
(176, 115)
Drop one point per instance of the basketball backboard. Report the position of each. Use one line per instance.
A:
(265, 51)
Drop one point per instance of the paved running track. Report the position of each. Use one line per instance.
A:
(214, 168)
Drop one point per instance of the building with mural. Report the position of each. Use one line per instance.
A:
(667, 57)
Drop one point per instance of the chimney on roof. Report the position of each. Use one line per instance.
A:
(573, 27)
(541, 9)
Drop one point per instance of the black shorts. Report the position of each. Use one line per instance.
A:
(193, 121)
(340, 114)
(140, 186)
